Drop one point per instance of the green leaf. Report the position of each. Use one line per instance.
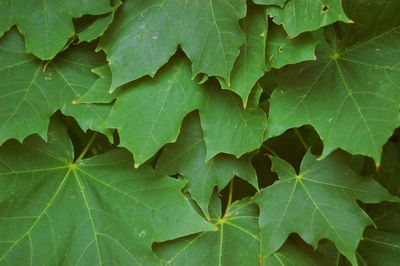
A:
(280, 3)
(381, 245)
(141, 39)
(91, 116)
(47, 25)
(295, 253)
(91, 29)
(99, 91)
(187, 157)
(228, 127)
(32, 90)
(318, 202)
(351, 93)
(307, 15)
(90, 212)
(250, 65)
(148, 114)
(145, 34)
(235, 243)
(212, 36)
(282, 50)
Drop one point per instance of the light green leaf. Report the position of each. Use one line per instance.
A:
(282, 51)
(351, 93)
(318, 202)
(148, 114)
(90, 212)
(187, 157)
(250, 65)
(32, 90)
(228, 127)
(145, 34)
(235, 243)
(47, 25)
(280, 3)
(307, 15)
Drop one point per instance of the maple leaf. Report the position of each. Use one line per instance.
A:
(88, 211)
(318, 202)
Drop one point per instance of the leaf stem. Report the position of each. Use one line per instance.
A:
(228, 205)
(87, 147)
(303, 142)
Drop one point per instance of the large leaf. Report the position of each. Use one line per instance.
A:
(32, 90)
(89, 212)
(250, 65)
(351, 94)
(149, 113)
(235, 243)
(307, 15)
(145, 34)
(47, 25)
(187, 157)
(318, 202)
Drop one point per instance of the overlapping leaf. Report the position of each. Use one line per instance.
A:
(351, 94)
(187, 157)
(32, 90)
(282, 51)
(94, 211)
(235, 243)
(47, 25)
(148, 114)
(280, 3)
(146, 34)
(307, 15)
(250, 65)
(381, 245)
(224, 118)
(318, 202)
